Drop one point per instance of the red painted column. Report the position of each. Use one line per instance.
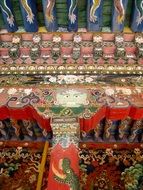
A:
(64, 163)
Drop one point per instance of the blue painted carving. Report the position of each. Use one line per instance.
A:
(50, 15)
(118, 15)
(72, 15)
(94, 15)
(137, 19)
(8, 16)
(29, 12)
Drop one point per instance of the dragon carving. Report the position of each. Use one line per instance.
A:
(7, 11)
(94, 7)
(16, 127)
(139, 6)
(71, 15)
(120, 11)
(49, 10)
(137, 127)
(27, 8)
(107, 128)
(124, 127)
(68, 177)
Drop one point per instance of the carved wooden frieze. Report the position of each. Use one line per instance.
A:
(70, 48)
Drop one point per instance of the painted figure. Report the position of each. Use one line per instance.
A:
(69, 177)
(118, 15)
(94, 15)
(72, 15)
(137, 19)
(8, 16)
(64, 170)
(29, 12)
(50, 15)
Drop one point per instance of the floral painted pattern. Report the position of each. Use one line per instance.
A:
(111, 169)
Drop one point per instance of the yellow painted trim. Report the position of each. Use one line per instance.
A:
(127, 30)
(42, 166)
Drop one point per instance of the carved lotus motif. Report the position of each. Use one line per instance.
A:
(97, 39)
(109, 91)
(57, 39)
(36, 38)
(16, 39)
(77, 38)
(12, 91)
(127, 91)
(139, 39)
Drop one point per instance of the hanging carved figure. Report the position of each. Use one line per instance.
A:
(68, 177)
(49, 10)
(7, 11)
(120, 10)
(29, 128)
(139, 7)
(17, 128)
(2, 130)
(30, 15)
(94, 7)
(71, 15)
(124, 129)
(107, 129)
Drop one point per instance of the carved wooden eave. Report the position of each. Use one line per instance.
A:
(71, 103)
(106, 67)
(71, 49)
(115, 103)
(88, 58)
